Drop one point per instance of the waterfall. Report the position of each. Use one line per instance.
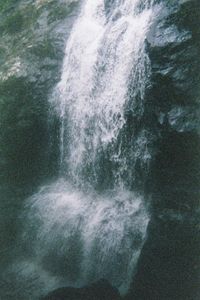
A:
(105, 52)
(92, 222)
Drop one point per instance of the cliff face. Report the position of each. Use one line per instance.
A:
(33, 35)
(32, 41)
(169, 263)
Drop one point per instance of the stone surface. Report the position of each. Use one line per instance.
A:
(100, 290)
(169, 262)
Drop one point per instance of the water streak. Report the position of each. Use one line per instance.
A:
(103, 55)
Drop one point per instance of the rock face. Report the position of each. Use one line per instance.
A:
(169, 263)
(100, 290)
(33, 35)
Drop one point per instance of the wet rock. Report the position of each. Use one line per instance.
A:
(173, 102)
(33, 36)
(169, 262)
(168, 268)
(101, 290)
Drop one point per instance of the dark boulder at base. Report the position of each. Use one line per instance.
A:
(100, 290)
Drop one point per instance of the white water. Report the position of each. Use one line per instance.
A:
(103, 54)
(75, 233)
(87, 236)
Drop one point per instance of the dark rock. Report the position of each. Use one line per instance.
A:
(100, 290)
(33, 36)
(168, 268)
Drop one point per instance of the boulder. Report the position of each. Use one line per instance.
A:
(100, 290)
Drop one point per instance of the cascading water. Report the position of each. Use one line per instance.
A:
(105, 52)
(91, 223)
